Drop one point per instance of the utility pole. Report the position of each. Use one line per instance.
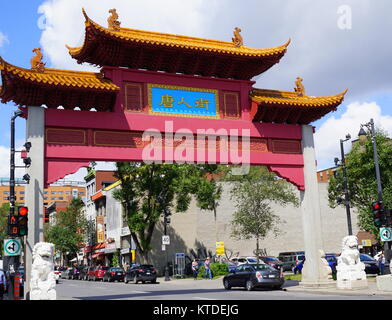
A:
(12, 262)
(346, 195)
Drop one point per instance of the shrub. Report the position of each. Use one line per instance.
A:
(217, 269)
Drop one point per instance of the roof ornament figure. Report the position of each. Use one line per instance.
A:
(299, 89)
(237, 40)
(36, 61)
(113, 22)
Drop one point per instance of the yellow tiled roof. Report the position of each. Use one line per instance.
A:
(58, 77)
(292, 98)
(179, 41)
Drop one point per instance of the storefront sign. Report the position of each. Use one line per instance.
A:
(124, 251)
(125, 232)
(100, 229)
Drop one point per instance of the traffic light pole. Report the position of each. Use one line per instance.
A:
(12, 263)
(346, 195)
(167, 277)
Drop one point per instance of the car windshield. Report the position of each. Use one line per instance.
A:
(301, 258)
(117, 269)
(330, 258)
(105, 268)
(263, 267)
(365, 257)
(147, 266)
(271, 259)
(253, 260)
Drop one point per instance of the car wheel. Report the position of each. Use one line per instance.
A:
(226, 284)
(277, 287)
(249, 285)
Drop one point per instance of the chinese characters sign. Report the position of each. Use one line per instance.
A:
(184, 101)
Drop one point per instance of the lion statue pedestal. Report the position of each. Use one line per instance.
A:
(43, 279)
(350, 270)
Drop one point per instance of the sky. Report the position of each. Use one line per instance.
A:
(335, 44)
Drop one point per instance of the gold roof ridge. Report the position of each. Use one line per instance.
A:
(61, 77)
(174, 40)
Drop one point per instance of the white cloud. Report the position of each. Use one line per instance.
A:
(82, 172)
(63, 22)
(328, 58)
(3, 39)
(327, 137)
(5, 163)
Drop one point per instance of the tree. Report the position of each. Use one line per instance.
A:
(362, 183)
(174, 184)
(68, 233)
(253, 195)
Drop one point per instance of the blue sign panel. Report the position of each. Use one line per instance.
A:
(184, 101)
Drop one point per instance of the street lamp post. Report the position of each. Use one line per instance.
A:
(345, 183)
(362, 136)
(165, 222)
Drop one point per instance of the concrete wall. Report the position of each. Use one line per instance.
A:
(197, 229)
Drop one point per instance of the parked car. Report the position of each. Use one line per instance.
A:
(83, 273)
(74, 273)
(371, 265)
(64, 272)
(97, 273)
(332, 261)
(57, 273)
(88, 271)
(230, 265)
(113, 274)
(291, 259)
(245, 260)
(143, 273)
(272, 261)
(251, 276)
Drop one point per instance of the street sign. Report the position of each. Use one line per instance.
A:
(166, 240)
(220, 248)
(12, 247)
(386, 234)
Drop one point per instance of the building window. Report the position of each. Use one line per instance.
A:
(45, 198)
(21, 198)
(53, 198)
(61, 198)
(22, 192)
(45, 192)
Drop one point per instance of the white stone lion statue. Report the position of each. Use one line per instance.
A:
(43, 279)
(350, 267)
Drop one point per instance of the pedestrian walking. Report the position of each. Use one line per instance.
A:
(207, 266)
(3, 284)
(381, 262)
(195, 268)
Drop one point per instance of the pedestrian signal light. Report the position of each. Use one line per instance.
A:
(23, 220)
(13, 228)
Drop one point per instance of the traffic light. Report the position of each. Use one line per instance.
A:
(22, 221)
(378, 213)
(13, 228)
(167, 214)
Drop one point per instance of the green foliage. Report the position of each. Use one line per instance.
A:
(69, 231)
(116, 259)
(253, 195)
(362, 183)
(142, 184)
(217, 269)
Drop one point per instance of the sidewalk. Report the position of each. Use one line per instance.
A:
(372, 290)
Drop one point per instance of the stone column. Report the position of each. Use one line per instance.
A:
(313, 272)
(35, 133)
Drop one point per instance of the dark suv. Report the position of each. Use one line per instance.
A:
(143, 273)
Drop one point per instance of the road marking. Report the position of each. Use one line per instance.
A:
(134, 291)
(201, 298)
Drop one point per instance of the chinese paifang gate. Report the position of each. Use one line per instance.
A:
(148, 80)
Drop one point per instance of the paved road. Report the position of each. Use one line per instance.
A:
(186, 289)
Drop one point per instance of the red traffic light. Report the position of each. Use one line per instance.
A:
(376, 205)
(23, 211)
